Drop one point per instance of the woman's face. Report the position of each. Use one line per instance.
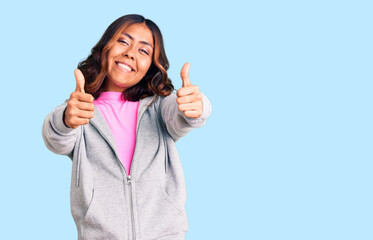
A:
(129, 58)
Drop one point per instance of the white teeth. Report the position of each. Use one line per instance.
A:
(126, 67)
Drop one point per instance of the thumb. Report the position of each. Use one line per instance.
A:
(184, 74)
(80, 81)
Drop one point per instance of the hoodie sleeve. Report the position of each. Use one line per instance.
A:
(59, 138)
(176, 123)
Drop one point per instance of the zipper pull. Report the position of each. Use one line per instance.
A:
(129, 179)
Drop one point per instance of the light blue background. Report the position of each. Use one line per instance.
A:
(287, 152)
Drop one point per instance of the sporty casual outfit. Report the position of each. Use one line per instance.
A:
(108, 203)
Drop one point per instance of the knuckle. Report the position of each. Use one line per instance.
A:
(89, 97)
(73, 103)
(72, 112)
(199, 96)
(68, 111)
(69, 104)
(191, 115)
(89, 107)
(72, 122)
(178, 93)
(75, 95)
(76, 121)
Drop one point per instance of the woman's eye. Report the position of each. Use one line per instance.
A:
(144, 51)
(123, 41)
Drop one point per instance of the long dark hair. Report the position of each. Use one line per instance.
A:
(155, 81)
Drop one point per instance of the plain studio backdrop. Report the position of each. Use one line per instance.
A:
(287, 152)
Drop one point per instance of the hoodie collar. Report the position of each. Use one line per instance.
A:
(99, 122)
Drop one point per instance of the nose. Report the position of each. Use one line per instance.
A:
(129, 53)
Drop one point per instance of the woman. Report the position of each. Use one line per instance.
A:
(119, 128)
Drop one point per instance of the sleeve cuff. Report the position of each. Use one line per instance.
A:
(59, 120)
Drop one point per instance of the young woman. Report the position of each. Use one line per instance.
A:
(119, 127)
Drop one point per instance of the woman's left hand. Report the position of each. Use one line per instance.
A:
(189, 98)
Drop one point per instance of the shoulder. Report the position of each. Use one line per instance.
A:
(167, 100)
(159, 101)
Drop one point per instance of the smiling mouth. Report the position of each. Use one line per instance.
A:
(124, 67)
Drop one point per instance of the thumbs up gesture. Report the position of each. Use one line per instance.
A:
(189, 98)
(80, 106)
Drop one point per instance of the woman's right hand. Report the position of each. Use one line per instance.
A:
(80, 106)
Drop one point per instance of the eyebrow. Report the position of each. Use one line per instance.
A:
(143, 42)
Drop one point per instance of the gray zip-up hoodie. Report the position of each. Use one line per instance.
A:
(106, 202)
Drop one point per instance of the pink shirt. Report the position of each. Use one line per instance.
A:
(121, 116)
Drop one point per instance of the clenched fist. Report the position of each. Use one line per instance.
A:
(189, 98)
(80, 106)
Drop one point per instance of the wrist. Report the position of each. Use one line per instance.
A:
(64, 117)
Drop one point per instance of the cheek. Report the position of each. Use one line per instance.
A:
(113, 53)
(109, 61)
(145, 65)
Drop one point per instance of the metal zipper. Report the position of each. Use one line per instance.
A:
(78, 160)
(132, 214)
(129, 176)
